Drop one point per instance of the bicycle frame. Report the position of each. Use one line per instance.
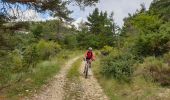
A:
(87, 64)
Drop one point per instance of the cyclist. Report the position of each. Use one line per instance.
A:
(89, 56)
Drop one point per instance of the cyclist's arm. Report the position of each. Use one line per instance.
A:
(85, 55)
(93, 57)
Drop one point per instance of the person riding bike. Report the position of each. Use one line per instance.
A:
(89, 56)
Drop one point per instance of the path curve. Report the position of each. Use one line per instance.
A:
(54, 90)
(91, 87)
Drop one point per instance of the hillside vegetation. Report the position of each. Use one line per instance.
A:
(133, 62)
(137, 67)
(31, 53)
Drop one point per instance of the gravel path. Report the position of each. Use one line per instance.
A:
(84, 89)
(73, 90)
(54, 90)
(92, 89)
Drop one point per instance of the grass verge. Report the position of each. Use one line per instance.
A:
(34, 78)
(138, 89)
(73, 85)
(73, 73)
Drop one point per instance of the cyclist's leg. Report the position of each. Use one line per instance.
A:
(89, 67)
(89, 63)
(85, 66)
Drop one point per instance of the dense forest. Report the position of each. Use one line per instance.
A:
(140, 50)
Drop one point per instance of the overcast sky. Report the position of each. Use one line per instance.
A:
(121, 8)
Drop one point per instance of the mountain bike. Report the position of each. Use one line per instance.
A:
(86, 68)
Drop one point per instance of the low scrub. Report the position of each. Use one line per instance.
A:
(138, 88)
(29, 67)
(47, 49)
(118, 66)
(17, 79)
(166, 58)
(106, 50)
(155, 69)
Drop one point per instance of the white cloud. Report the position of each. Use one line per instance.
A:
(121, 8)
(78, 21)
(29, 15)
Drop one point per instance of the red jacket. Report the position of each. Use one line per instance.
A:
(93, 56)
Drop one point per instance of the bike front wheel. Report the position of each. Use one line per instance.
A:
(86, 70)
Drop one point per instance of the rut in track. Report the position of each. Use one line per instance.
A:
(54, 90)
(84, 89)
(92, 89)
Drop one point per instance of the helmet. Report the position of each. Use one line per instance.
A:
(90, 48)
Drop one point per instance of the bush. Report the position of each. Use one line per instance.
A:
(70, 41)
(166, 58)
(16, 61)
(106, 50)
(30, 57)
(119, 66)
(10, 69)
(37, 31)
(97, 53)
(46, 49)
(5, 76)
(156, 69)
(153, 44)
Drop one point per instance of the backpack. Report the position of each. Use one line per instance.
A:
(89, 55)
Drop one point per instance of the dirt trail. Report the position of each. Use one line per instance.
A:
(92, 89)
(54, 90)
(85, 89)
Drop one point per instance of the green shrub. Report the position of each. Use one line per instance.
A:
(156, 70)
(30, 57)
(43, 50)
(153, 44)
(11, 68)
(166, 58)
(16, 61)
(46, 49)
(106, 50)
(37, 31)
(70, 41)
(119, 66)
(5, 76)
(97, 53)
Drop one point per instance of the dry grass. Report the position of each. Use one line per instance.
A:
(138, 89)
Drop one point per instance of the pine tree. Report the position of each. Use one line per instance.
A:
(102, 25)
(93, 21)
(54, 7)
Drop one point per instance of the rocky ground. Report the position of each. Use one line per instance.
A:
(92, 89)
(60, 87)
